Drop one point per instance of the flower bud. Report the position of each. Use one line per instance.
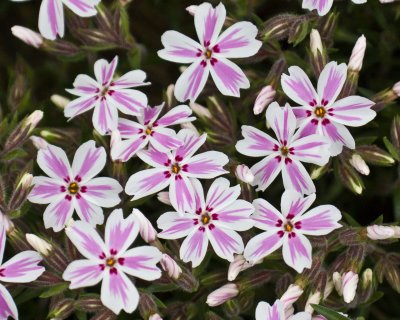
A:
(264, 98)
(396, 88)
(190, 126)
(337, 282)
(238, 264)
(313, 298)
(357, 55)
(170, 266)
(367, 277)
(316, 43)
(88, 303)
(396, 232)
(155, 316)
(291, 295)
(349, 286)
(244, 174)
(28, 36)
(6, 222)
(25, 182)
(278, 27)
(33, 119)
(359, 164)
(147, 305)
(62, 309)
(40, 245)
(59, 101)
(328, 289)
(191, 9)
(39, 142)
(164, 197)
(146, 229)
(375, 155)
(350, 178)
(377, 232)
(222, 295)
(201, 111)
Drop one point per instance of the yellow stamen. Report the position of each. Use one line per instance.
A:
(288, 227)
(284, 151)
(148, 131)
(208, 54)
(205, 218)
(320, 112)
(110, 262)
(175, 168)
(73, 188)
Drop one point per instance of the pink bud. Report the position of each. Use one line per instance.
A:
(291, 295)
(170, 266)
(243, 173)
(155, 316)
(28, 36)
(357, 55)
(191, 9)
(25, 182)
(359, 164)
(396, 88)
(146, 229)
(164, 197)
(222, 295)
(264, 98)
(238, 264)
(376, 232)
(33, 119)
(349, 286)
(39, 142)
(313, 298)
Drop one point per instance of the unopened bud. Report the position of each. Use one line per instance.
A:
(190, 126)
(33, 119)
(375, 155)
(60, 101)
(25, 182)
(40, 245)
(62, 309)
(155, 316)
(377, 232)
(163, 197)
(238, 264)
(316, 43)
(359, 164)
(291, 295)
(170, 266)
(146, 229)
(264, 98)
(39, 142)
(88, 303)
(191, 9)
(147, 305)
(350, 178)
(328, 289)
(201, 111)
(243, 173)
(349, 286)
(396, 88)
(222, 294)
(313, 298)
(357, 55)
(28, 36)
(396, 232)
(367, 278)
(278, 27)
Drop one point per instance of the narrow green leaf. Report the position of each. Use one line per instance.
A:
(328, 313)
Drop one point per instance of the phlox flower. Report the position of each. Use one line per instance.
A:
(319, 112)
(150, 131)
(74, 188)
(107, 96)
(22, 268)
(285, 154)
(211, 53)
(174, 169)
(265, 311)
(110, 261)
(288, 227)
(323, 6)
(215, 219)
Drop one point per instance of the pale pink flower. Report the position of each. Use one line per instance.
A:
(223, 294)
(285, 154)
(357, 55)
(28, 36)
(264, 98)
(174, 169)
(74, 188)
(107, 96)
(265, 311)
(170, 266)
(146, 229)
(110, 261)
(288, 228)
(323, 6)
(319, 112)
(244, 174)
(22, 268)
(210, 54)
(214, 219)
(150, 131)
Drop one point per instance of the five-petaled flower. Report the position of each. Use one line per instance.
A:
(150, 130)
(210, 55)
(319, 112)
(68, 188)
(284, 154)
(288, 227)
(109, 261)
(107, 96)
(22, 268)
(323, 6)
(216, 218)
(174, 169)
(265, 311)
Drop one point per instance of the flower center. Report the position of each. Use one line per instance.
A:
(205, 218)
(175, 168)
(284, 151)
(110, 262)
(288, 226)
(320, 112)
(73, 188)
(148, 131)
(208, 53)
(104, 91)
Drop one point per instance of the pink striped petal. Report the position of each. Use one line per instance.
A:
(3, 236)
(179, 48)
(262, 245)
(192, 81)
(54, 162)
(331, 81)
(311, 149)
(22, 268)
(126, 149)
(266, 171)
(51, 19)
(104, 71)
(7, 304)
(120, 233)
(155, 158)
(322, 6)
(164, 139)
(88, 211)
(81, 105)
(83, 8)
(239, 41)
(206, 165)
(177, 115)
(307, 128)
(296, 177)
(129, 101)
(320, 220)
(228, 77)
(220, 194)
(199, 199)
(128, 128)
(83, 273)
(191, 143)
(86, 239)
(339, 136)
(298, 87)
(225, 242)
(118, 292)
(265, 216)
(256, 143)
(150, 114)
(209, 21)
(105, 117)
(181, 194)
(174, 225)
(88, 161)
(146, 182)
(84, 86)
(352, 111)
(103, 192)
(194, 247)
(131, 79)
(297, 252)
(282, 121)
(266, 312)
(293, 203)
(236, 216)
(45, 190)
(141, 263)
(58, 213)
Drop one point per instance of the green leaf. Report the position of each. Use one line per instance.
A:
(56, 289)
(350, 220)
(391, 148)
(328, 313)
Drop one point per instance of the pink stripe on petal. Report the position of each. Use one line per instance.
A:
(7, 304)
(83, 273)
(209, 21)
(206, 165)
(88, 211)
(174, 225)
(58, 213)
(105, 117)
(129, 101)
(297, 252)
(88, 161)
(225, 242)
(54, 162)
(296, 177)
(320, 220)
(126, 149)
(83, 8)
(147, 182)
(331, 81)
(262, 245)
(156, 158)
(194, 247)
(266, 171)
(256, 143)
(22, 268)
(165, 139)
(3, 236)
(265, 216)
(176, 115)
(141, 262)
(191, 143)
(45, 190)
(181, 194)
(80, 105)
